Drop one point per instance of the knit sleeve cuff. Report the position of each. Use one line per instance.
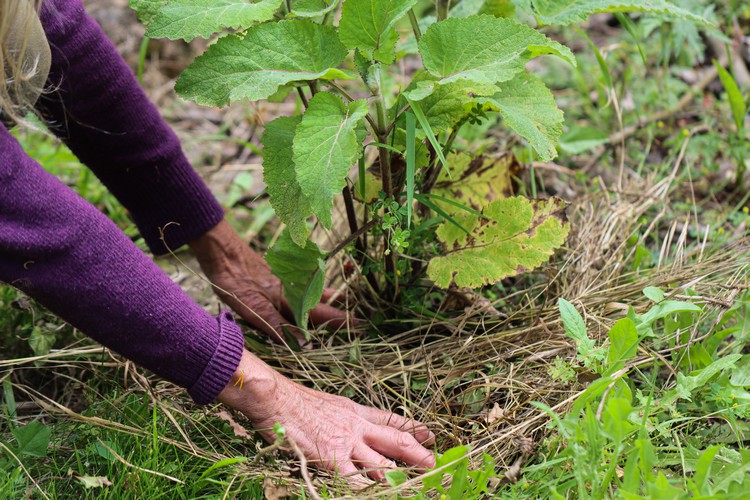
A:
(223, 362)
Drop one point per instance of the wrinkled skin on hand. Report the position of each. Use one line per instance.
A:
(333, 432)
(243, 281)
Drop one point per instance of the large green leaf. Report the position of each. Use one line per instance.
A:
(254, 65)
(325, 147)
(483, 49)
(574, 11)
(367, 25)
(444, 105)
(302, 274)
(515, 235)
(286, 196)
(188, 19)
(529, 109)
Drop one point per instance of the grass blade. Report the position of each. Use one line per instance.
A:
(417, 109)
(627, 23)
(445, 215)
(736, 103)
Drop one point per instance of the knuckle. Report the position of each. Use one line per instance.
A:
(404, 440)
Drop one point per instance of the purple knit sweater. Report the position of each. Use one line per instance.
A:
(63, 252)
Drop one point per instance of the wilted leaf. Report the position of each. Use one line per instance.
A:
(529, 109)
(273, 491)
(483, 49)
(367, 25)
(574, 11)
(476, 181)
(255, 64)
(515, 235)
(89, 482)
(238, 429)
(495, 414)
(325, 148)
(188, 19)
(286, 196)
(302, 274)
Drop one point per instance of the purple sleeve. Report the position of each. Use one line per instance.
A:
(97, 107)
(63, 252)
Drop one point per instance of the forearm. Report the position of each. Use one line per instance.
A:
(63, 252)
(97, 107)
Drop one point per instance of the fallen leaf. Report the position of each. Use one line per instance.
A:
(94, 481)
(273, 491)
(239, 430)
(495, 414)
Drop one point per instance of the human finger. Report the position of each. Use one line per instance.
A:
(263, 315)
(399, 446)
(416, 428)
(373, 462)
(325, 314)
(333, 296)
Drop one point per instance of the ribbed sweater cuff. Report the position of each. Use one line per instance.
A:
(224, 359)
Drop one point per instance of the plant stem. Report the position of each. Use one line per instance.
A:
(303, 97)
(288, 5)
(442, 8)
(351, 214)
(385, 168)
(415, 25)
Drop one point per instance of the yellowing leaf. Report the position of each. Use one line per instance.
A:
(476, 181)
(515, 235)
(89, 482)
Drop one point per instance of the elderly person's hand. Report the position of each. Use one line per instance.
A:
(243, 280)
(333, 432)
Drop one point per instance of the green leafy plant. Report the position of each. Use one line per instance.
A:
(473, 62)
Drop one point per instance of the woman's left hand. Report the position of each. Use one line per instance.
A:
(243, 280)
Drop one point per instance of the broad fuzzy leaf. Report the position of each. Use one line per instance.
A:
(302, 274)
(367, 25)
(286, 196)
(444, 105)
(574, 11)
(476, 181)
(325, 148)
(515, 235)
(188, 19)
(313, 8)
(254, 65)
(483, 49)
(529, 109)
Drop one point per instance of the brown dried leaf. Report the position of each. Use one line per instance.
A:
(273, 491)
(239, 430)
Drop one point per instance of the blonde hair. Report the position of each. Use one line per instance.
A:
(24, 57)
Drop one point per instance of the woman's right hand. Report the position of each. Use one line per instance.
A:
(333, 432)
